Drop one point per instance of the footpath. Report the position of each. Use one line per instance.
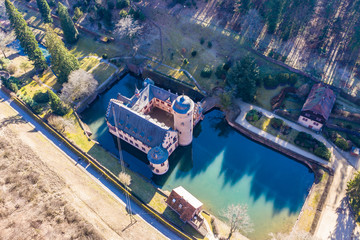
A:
(100, 202)
(336, 220)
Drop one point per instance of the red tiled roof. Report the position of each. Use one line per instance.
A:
(181, 206)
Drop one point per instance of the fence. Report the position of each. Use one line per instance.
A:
(98, 167)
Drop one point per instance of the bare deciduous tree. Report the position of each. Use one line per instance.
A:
(60, 124)
(294, 235)
(239, 218)
(5, 39)
(127, 27)
(81, 84)
(125, 178)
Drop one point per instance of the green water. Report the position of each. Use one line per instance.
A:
(221, 167)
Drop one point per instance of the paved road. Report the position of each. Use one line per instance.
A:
(96, 176)
(336, 221)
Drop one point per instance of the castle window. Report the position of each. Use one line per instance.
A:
(305, 119)
(162, 164)
(180, 206)
(157, 170)
(126, 139)
(137, 145)
(143, 149)
(182, 124)
(131, 142)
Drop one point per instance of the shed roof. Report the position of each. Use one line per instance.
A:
(321, 100)
(193, 201)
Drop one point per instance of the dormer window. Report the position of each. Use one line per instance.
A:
(180, 206)
(174, 200)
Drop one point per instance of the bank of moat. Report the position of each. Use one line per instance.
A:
(154, 121)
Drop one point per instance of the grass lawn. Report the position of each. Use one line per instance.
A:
(264, 124)
(88, 63)
(50, 79)
(103, 72)
(87, 46)
(182, 36)
(264, 96)
(309, 210)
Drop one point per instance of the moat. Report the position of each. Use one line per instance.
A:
(220, 167)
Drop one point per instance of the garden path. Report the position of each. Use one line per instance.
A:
(336, 220)
(245, 107)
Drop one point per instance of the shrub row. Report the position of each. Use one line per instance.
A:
(271, 82)
(306, 140)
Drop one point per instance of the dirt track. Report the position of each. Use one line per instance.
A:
(44, 195)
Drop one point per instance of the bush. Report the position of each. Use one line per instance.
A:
(202, 41)
(111, 5)
(206, 72)
(276, 123)
(137, 15)
(341, 143)
(193, 53)
(270, 82)
(41, 97)
(253, 115)
(209, 44)
(293, 79)
(220, 72)
(227, 65)
(12, 68)
(77, 14)
(282, 78)
(186, 61)
(12, 83)
(57, 106)
(123, 13)
(104, 56)
(4, 62)
(52, 3)
(122, 4)
(323, 152)
(354, 139)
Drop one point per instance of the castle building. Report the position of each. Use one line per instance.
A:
(317, 107)
(154, 121)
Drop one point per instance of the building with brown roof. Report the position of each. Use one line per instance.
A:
(317, 107)
(186, 205)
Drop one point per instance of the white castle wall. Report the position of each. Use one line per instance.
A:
(160, 169)
(183, 123)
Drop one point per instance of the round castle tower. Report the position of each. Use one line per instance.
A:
(158, 158)
(183, 108)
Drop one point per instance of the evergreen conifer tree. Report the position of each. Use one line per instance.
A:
(62, 61)
(25, 36)
(45, 11)
(70, 32)
(56, 105)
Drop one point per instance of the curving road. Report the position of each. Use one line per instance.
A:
(108, 186)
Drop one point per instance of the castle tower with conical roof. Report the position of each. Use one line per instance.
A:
(183, 108)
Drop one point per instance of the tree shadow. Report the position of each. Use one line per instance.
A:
(345, 223)
(17, 119)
